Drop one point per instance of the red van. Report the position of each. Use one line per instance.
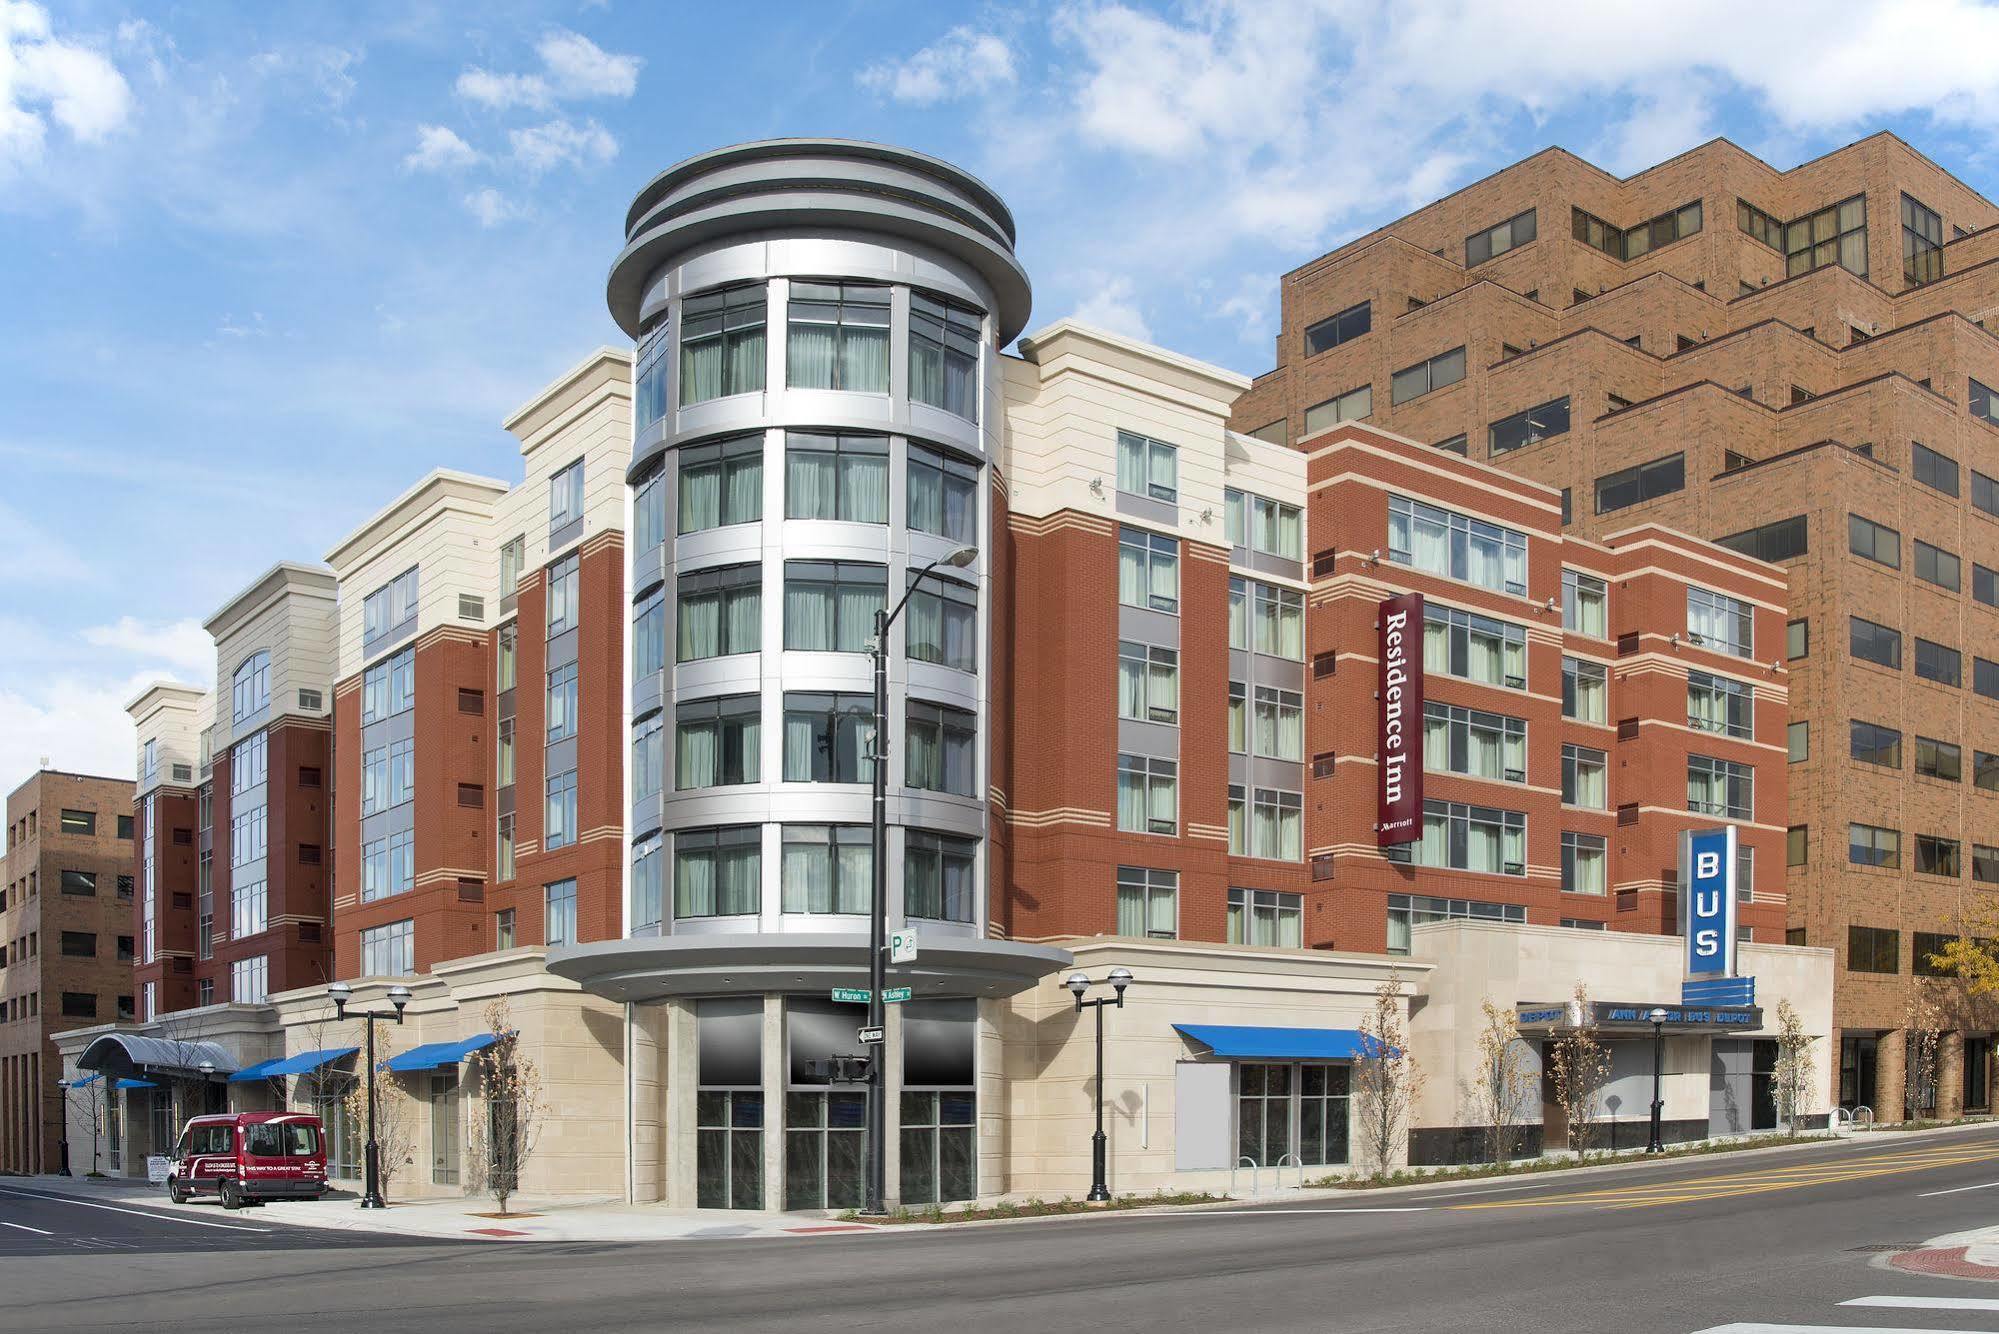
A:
(243, 1157)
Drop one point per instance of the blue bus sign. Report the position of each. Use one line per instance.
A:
(1707, 903)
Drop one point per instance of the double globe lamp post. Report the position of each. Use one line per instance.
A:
(1078, 983)
(399, 996)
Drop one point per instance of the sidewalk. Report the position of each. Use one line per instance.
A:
(462, 1218)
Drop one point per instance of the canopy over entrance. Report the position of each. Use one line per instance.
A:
(134, 1056)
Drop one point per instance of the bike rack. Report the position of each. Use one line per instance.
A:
(1255, 1176)
(1298, 1165)
(1858, 1110)
(1832, 1122)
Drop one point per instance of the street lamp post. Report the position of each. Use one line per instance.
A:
(1078, 983)
(1658, 1018)
(878, 905)
(62, 1145)
(399, 996)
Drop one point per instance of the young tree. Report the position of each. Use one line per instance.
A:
(503, 1144)
(1386, 1080)
(1498, 1093)
(1794, 1072)
(1970, 956)
(1925, 1027)
(1579, 1065)
(395, 1122)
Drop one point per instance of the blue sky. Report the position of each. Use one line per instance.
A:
(261, 265)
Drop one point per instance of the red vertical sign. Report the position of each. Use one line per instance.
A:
(1400, 735)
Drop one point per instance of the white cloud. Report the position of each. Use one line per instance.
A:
(1113, 305)
(43, 76)
(556, 143)
(182, 645)
(77, 724)
(578, 67)
(500, 91)
(491, 207)
(1253, 305)
(960, 64)
(439, 148)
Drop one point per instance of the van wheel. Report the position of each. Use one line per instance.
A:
(232, 1195)
(174, 1191)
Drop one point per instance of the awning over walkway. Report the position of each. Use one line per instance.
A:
(117, 1086)
(437, 1055)
(133, 1055)
(1279, 1044)
(303, 1063)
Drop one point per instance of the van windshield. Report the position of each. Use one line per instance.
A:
(294, 1139)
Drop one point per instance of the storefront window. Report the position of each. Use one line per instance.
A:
(729, 1105)
(939, 1123)
(1293, 1114)
(825, 1127)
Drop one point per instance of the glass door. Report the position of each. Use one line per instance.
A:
(446, 1134)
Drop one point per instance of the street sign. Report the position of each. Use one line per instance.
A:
(902, 945)
(870, 1036)
(852, 995)
(894, 994)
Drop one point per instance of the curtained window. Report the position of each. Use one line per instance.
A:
(721, 344)
(827, 868)
(1583, 862)
(1583, 781)
(648, 757)
(1585, 690)
(944, 354)
(1148, 686)
(721, 484)
(837, 337)
(718, 872)
(717, 742)
(1718, 704)
(1148, 903)
(1456, 546)
(830, 606)
(827, 737)
(943, 495)
(648, 516)
(648, 885)
(836, 477)
(1279, 622)
(564, 582)
(941, 624)
(1238, 612)
(1148, 795)
(1148, 570)
(1277, 825)
(1472, 741)
(939, 878)
(1280, 724)
(941, 754)
(720, 612)
(1266, 917)
(649, 634)
(562, 702)
(1147, 467)
(1238, 718)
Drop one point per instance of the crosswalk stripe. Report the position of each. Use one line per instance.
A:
(1929, 1303)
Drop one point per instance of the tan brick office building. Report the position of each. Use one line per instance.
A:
(65, 944)
(1796, 363)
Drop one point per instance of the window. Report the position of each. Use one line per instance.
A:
(938, 876)
(1875, 643)
(1344, 327)
(1778, 541)
(79, 944)
(1279, 621)
(717, 743)
(389, 950)
(1461, 446)
(1238, 718)
(1922, 243)
(1148, 903)
(79, 1005)
(1922, 946)
(1985, 770)
(941, 624)
(1646, 481)
(1985, 406)
(1721, 623)
(720, 612)
(1798, 738)
(1939, 856)
(718, 872)
(1148, 795)
(513, 556)
(1836, 234)
(564, 595)
(250, 691)
(1864, 537)
(1584, 857)
(559, 824)
(125, 827)
(830, 606)
(565, 497)
(1585, 690)
(249, 981)
(389, 607)
(721, 484)
(943, 495)
(1147, 467)
(82, 884)
(1280, 724)
(1873, 744)
(559, 916)
(1277, 824)
(1148, 570)
(842, 477)
(648, 885)
(1268, 526)
(1719, 704)
(1266, 917)
(944, 341)
(125, 950)
(562, 702)
(722, 344)
(1468, 838)
(509, 651)
(1473, 647)
(1541, 422)
(1797, 639)
(125, 886)
(1985, 584)
(1473, 742)
(1870, 845)
(1640, 239)
(1720, 787)
(1584, 602)
(78, 822)
(1757, 223)
(1442, 542)
(1446, 368)
(1934, 470)
(1871, 949)
(1500, 238)
(1148, 682)
(827, 868)
(388, 866)
(152, 759)
(837, 337)
(941, 754)
(827, 737)
(389, 687)
(1409, 910)
(1937, 566)
(1985, 677)
(648, 757)
(388, 776)
(1985, 864)
(648, 636)
(1797, 845)
(1583, 778)
(1353, 405)
(1939, 663)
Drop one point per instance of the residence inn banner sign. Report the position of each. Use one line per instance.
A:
(1400, 739)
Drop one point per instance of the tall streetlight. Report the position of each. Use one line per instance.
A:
(1658, 1018)
(399, 996)
(878, 908)
(63, 1143)
(1078, 983)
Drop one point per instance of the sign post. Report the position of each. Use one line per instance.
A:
(1399, 701)
(852, 995)
(902, 945)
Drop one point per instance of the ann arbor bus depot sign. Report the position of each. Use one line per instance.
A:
(1399, 739)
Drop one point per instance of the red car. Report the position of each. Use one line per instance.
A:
(243, 1157)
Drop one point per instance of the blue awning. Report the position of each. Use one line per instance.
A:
(307, 1061)
(261, 1070)
(117, 1086)
(436, 1055)
(1279, 1044)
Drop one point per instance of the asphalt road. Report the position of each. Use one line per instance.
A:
(1744, 1243)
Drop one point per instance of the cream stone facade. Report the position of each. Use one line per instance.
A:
(171, 718)
(288, 613)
